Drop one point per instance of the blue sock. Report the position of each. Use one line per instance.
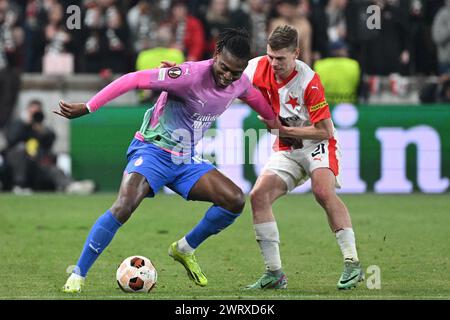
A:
(98, 239)
(215, 220)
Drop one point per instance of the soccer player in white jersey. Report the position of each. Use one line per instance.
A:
(307, 148)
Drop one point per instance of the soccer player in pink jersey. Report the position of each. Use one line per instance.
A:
(193, 95)
(307, 148)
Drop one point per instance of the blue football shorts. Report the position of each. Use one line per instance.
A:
(162, 168)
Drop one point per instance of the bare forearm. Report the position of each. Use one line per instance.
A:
(308, 133)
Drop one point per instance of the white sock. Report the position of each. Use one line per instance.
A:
(183, 246)
(346, 241)
(75, 276)
(268, 240)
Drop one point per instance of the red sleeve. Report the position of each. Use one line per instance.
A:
(315, 100)
(194, 39)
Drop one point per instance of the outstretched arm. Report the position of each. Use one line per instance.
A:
(127, 82)
(257, 102)
(322, 130)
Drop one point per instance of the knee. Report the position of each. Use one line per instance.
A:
(322, 195)
(255, 197)
(259, 199)
(233, 201)
(122, 209)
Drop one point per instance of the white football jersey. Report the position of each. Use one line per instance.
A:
(299, 100)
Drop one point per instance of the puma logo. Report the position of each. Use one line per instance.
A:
(97, 250)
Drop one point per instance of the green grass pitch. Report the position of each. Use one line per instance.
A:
(406, 236)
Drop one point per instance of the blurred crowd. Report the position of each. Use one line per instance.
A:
(28, 162)
(342, 40)
(413, 39)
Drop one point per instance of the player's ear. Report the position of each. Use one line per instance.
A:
(215, 55)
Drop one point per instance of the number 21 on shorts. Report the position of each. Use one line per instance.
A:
(320, 149)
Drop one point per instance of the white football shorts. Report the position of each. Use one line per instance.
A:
(294, 167)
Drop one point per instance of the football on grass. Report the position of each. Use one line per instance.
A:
(136, 274)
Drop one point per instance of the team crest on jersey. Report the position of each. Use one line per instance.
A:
(174, 72)
(293, 101)
(138, 162)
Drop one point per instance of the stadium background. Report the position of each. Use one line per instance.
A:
(384, 79)
(394, 128)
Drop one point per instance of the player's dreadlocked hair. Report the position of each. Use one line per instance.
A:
(236, 41)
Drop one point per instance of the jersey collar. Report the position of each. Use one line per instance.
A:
(286, 81)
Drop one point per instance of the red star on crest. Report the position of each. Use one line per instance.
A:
(293, 102)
